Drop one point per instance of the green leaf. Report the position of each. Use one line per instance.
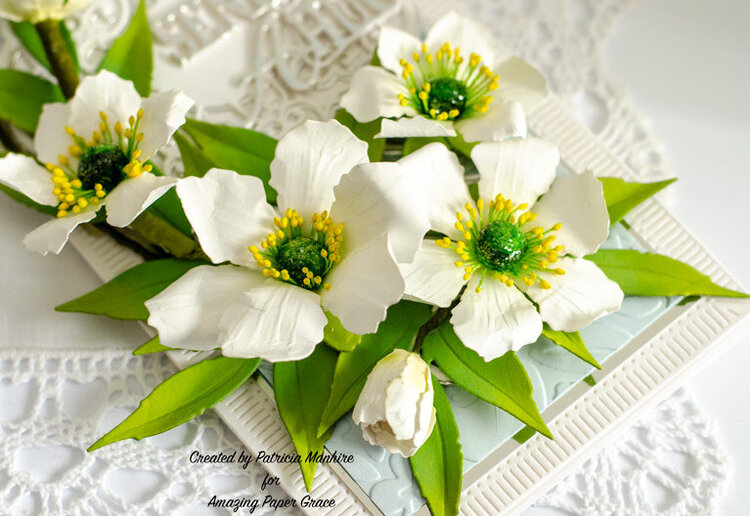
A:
(132, 55)
(573, 342)
(301, 389)
(29, 38)
(397, 331)
(415, 143)
(22, 96)
(365, 132)
(181, 397)
(245, 151)
(338, 337)
(438, 464)
(622, 196)
(151, 346)
(169, 208)
(194, 162)
(502, 382)
(123, 297)
(648, 274)
(19, 197)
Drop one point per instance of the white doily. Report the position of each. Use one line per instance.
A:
(56, 403)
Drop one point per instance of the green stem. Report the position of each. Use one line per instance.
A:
(9, 139)
(163, 235)
(63, 64)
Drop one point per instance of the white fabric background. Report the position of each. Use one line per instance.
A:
(685, 63)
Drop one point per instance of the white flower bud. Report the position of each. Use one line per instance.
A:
(39, 10)
(395, 407)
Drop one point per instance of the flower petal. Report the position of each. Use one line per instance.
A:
(377, 198)
(433, 277)
(417, 126)
(52, 236)
(24, 174)
(394, 45)
(163, 114)
(373, 93)
(438, 177)
(105, 92)
(363, 286)
(521, 170)
(228, 212)
(465, 34)
(50, 139)
(502, 120)
(310, 160)
(187, 314)
(133, 196)
(578, 298)
(495, 321)
(577, 202)
(520, 82)
(277, 322)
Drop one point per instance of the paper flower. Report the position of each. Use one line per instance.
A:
(506, 256)
(39, 10)
(324, 248)
(458, 79)
(395, 407)
(81, 175)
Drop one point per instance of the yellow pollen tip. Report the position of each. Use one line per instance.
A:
(559, 272)
(478, 290)
(70, 131)
(557, 227)
(544, 284)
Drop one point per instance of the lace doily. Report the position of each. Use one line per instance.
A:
(56, 403)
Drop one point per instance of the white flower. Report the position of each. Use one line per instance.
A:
(324, 248)
(82, 175)
(395, 407)
(458, 79)
(502, 254)
(39, 10)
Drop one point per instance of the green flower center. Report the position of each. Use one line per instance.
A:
(102, 164)
(444, 86)
(300, 256)
(447, 94)
(500, 244)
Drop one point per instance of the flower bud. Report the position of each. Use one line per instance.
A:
(39, 10)
(395, 407)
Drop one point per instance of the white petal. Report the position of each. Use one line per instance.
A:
(377, 198)
(52, 236)
(310, 160)
(25, 175)
(495, 321)
(520, 82)
(106, 92)
(577, 202)
(578, 298)
(502, 120)
(373, 93)
(363, 286)
(394, 45)
(417, 126)
(163, 114)
(133, 196)
(465, 34)
(228, 212)
(433, 277)
(50, 139)
(188, 312)
(521, 170)
(438, 178)
(36, 11)
(277, 322)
